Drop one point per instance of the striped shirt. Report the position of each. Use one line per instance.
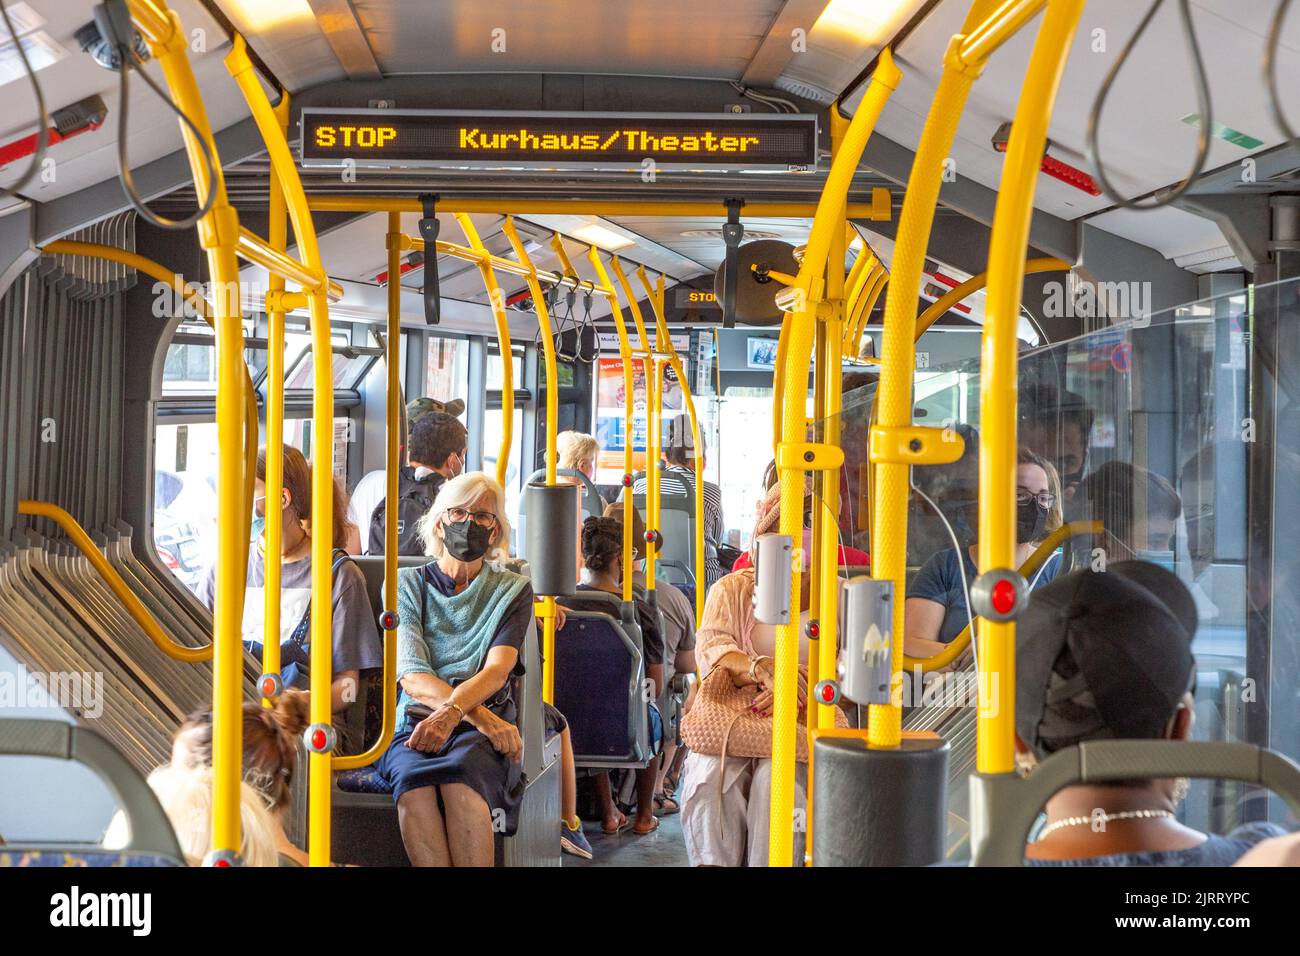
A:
(677, 480)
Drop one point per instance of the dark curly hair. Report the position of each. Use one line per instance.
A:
(602, 542)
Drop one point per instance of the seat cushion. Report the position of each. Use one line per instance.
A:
(363, 780)
(75, 858)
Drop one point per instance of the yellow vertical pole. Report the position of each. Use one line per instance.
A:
(545, 606)
(793, 453)
(898, 354)
(497, 300)
(277, 238)
(393, 411)
(218, 236)
(650, 369)
(655, 295)
(995, 750)
(322, 470)
(625, 356)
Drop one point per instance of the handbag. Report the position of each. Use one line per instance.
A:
(721, 724)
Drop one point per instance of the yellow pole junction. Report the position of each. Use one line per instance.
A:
(651, 367)
(878, 209)
(497, 300)
(656, 298)
(219, 236)
(393, 412)
(322, 469)
(277, 237)
(995, 748)
(795, 456)
(629, 400)
(546, 605)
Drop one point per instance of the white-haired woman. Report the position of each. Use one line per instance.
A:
(454, 763)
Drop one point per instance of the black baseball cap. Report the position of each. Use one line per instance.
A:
(1128, 631)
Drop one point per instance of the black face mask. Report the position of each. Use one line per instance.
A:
(1031, 521)
(466, 541)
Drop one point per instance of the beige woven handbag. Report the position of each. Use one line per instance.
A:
(720, 723)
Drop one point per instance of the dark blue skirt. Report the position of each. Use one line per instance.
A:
(469, 758)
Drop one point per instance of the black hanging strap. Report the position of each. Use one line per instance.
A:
(732, 233)
(429, 233)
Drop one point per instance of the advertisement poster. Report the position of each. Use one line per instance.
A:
(610, 426)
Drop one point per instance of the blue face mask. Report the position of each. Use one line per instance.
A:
(1165, 559)
(257, 529)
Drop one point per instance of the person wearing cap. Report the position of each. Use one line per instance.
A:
(373, 487)
(1108, 656)
(679, 478)
(435, 452)
(936, 610)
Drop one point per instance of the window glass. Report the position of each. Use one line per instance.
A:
(494, 377)
(446, 368)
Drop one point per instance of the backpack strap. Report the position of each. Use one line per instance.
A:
(299, 635)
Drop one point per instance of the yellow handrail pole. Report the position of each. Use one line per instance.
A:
(625, 356)
(1030, 567)
(860, 313)
(194, 296)
(546, 605)
(322, 466)
(656, 297)
(257, 251)
(650, 369)
(86, 545)
(879, 208)
(277, 236)
(795, 456)
(393, 412)
(505, 265)
(957, 293)
(995, 747)
(218, 235)
(778, 384)
(893, 404)
(863, 271)
(497, 300)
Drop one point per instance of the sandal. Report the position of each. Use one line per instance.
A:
(665, 805)
(636, 829)
(622, 825)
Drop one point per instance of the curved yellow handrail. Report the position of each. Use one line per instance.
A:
(629, 394)
(497, 301)
(959, 292)
(194, 296)
(1036, 560)
(546, 605)
(995, 745)
(86, 545)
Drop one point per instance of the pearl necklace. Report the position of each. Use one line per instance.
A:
(1103, 818)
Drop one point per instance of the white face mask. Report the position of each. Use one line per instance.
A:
(421, 472)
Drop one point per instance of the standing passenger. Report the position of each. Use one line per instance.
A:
(436, 451)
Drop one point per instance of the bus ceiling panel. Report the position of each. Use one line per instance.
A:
(289, 38)
(699, 240)
(837, 39)
(81, 161)
(1175, 233)
(623, 237)
(678, 38)
(1148, 132)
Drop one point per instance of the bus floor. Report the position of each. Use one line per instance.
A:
(664, 847)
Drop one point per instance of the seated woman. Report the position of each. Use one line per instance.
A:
(270, 757)
(454, 763)
(936, 599)
(1108, 656)
(847, 556)
(725, 801)
(356, 644)
(602, 552)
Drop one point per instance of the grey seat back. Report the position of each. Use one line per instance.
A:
(151, 832)
(675, 562)
(1004, 807)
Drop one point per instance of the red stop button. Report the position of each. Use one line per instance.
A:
(828, 693)
(318, 739)
(1003, 596)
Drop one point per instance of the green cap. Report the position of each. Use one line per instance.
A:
(419, 407)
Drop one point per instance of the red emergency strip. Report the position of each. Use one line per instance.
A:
(1070, 174)
(20, 148)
